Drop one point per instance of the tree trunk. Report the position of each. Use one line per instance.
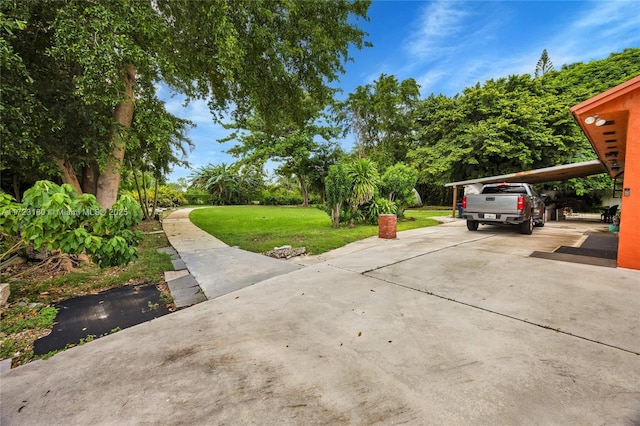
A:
(304, 190)
(90, 175)
(145, 193)
(16, 189)
(68, 174)
(109, 180)
(335, 216)
(155, 199)
(145, 211)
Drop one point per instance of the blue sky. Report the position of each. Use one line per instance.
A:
(449, 45)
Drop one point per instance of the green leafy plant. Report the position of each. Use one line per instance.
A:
(84, 340)
(56, 218)
(378, 206)
(337, 188)
(198, 197)
(397, 184)
(19, 318)
(364, 178)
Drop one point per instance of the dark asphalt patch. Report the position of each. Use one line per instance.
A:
(100, 314)
(601, 246)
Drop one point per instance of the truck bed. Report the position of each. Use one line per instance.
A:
(509, 204)
(492, 203)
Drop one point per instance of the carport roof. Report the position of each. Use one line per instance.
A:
(547, 174)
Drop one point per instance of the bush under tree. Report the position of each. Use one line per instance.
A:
(55, 218)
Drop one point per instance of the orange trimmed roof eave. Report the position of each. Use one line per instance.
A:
(609, 140)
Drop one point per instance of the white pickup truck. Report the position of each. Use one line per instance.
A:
(504, 203)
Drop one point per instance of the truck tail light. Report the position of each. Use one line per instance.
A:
(520, 202)
(464, 202)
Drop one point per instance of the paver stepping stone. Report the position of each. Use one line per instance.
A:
(168, 250)
(187, 296)
(178, 264)
(185, 291)
(182, 282)
(172, 275)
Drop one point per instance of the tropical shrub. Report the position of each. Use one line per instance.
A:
(378, 206)
(169, 197)
(56, 218)
(397, 185)
(337, 189)
(364, 178)
(229, 185)
(280, 197)
(197, 197)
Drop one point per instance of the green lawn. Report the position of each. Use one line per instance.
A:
(261, 228)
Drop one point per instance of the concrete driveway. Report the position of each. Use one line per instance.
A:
(440, 326)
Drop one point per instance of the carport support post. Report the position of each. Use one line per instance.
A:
(455, 197)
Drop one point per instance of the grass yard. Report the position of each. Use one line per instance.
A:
(261, 228)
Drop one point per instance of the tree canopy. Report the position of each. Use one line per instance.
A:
(380, 117)
(512, 124)
(302, 149)
(80, 105)
(88, 62)
(503, 125)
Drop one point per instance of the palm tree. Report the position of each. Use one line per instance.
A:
(218, 180)
(229, 184)
(364, 178)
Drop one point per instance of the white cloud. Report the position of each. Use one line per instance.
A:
(437, 23)
(606, 15)
(456, 45)
(430, 81)
(600, 28)
(453, 45)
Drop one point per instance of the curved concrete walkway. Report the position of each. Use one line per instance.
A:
(440, 326)
(218, 268)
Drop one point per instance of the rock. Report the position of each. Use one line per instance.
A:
(285, 252)
(4, 294)
(39, 255)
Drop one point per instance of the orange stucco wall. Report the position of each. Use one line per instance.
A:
(629, 237)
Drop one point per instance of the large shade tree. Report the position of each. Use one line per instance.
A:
(156, 141)
(380, 117)
(516, 123)
(493, 129)
(303, 149)
(91, 60)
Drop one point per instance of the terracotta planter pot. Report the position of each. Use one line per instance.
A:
(387, 224)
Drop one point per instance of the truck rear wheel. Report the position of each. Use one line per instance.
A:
(472, 225)
(526, 227)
